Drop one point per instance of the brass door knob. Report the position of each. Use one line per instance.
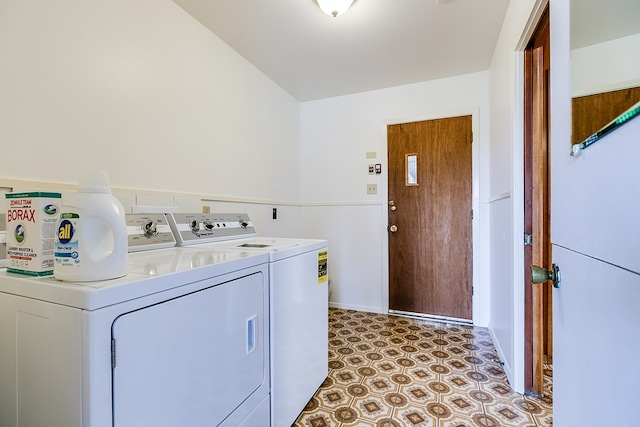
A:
(541, 275)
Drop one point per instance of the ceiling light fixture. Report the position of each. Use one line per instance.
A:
(334, 7)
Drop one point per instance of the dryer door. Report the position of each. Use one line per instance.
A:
(190, 360)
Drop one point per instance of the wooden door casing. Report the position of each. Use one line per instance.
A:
(538, 313)
(430, 254)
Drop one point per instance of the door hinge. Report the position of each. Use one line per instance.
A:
(528, 239)
(113, 353)
(472, 291)
(471, 213)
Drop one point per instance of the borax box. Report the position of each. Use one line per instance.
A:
(32, 220)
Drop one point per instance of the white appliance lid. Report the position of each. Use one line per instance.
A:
(281, 247)
(149, 272)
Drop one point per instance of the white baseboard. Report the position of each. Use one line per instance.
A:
(507, 368)
(355, 307)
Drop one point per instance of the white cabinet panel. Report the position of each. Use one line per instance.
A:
(40, 364)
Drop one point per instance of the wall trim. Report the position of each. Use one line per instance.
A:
(605, 88)
(363, 308)
(505, 361)
(24, 184)
(346, 203)
(499, 196)
(232, 199)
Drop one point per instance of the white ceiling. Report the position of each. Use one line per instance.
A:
(382, 43)
(376, 44)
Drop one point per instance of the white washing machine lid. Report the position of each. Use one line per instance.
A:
(149, 272)
(277, 248)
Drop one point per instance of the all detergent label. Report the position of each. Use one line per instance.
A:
(67, 251)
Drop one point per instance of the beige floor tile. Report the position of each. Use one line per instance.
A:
(390, 371)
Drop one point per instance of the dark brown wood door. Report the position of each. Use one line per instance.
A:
(430, 247)
(590, 113)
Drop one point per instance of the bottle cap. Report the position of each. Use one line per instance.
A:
(94, 181)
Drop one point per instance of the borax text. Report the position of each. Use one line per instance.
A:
(21, 214)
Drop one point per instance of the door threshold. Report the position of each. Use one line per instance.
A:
(432, 317)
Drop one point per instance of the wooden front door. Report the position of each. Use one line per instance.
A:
(430, 236)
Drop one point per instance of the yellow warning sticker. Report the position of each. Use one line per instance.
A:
(322, 267)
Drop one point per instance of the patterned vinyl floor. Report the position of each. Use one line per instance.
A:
(390, 371)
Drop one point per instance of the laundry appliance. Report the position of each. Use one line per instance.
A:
(182, 339)
(3, 241)
(298, 296)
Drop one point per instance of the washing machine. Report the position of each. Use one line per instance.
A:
(182, 339)
(298, 295)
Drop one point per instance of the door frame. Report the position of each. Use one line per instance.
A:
(480, 238)
(537, 121)
(517, 371)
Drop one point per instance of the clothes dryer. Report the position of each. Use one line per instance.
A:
(182, 339)
(298, 297)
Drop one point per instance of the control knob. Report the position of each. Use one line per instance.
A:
(149, 228)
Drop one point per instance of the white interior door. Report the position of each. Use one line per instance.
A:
(596, 313)
(595, 200)
(596, 236)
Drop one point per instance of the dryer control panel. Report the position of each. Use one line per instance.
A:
(192, 228)
(148, 231)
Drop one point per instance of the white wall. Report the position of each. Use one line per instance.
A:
(605, 66)
(337, 133)
(144, 91)
(174, 115)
